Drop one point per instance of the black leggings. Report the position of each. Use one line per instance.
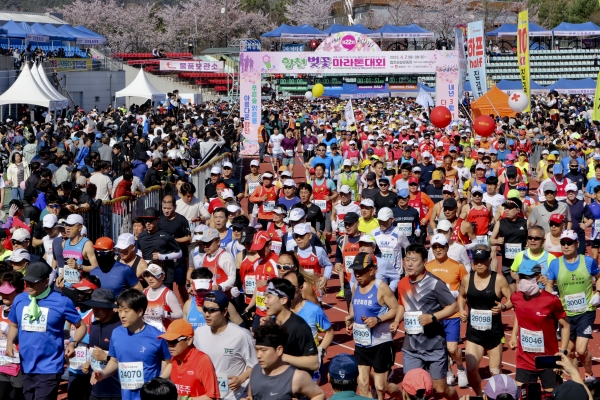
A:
(8, 392)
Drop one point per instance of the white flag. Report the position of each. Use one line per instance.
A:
(424, 99)
(349, 113)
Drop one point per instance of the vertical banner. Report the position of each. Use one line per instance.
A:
(459, 45)
(476, 59)
(349, 113)
(596, 112)
(523, 54)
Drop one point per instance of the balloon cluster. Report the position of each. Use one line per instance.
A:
(317, 91)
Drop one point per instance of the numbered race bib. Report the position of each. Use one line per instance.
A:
(38, 325)
(354, 160)
(131, 375)
(412, 326)
(276, 247)
(341, 226)
(348, 261)
(4, 359)
(289, 153)
(310, 147)
(481, 320)
(388, 255)
(482, 239)
(250, 284)
(97, 365)
(322, 204)
(389, 165)
(252, 186)
(532, 341)
(223, 384)
(597, 226)
(72, 275)
(405, 227)
(268, 206)
(511, 250)
(260, 301)
(80, 358)
(362, 335)
(576, 302)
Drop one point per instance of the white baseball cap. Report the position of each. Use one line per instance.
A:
(480, 166)
(268, 175)
(49, 221)
(367, 239)
(74, 219)
(545, 152)
(302, 229)
(438, 238)
(444, 225)
(233, 207)
(289, 183)
(254, 163)
(569, 234)
(200, 284)
(154, 270)
(426, 154)
(124, 241)
(227, 164)
(227, 193)
(345, 189)
(296, 214)
(448, 188)
(347, 163)
(215, 170)
(287, 174)
(367, 203)
(571, 187)
(20, 255)
(21, 235)
(477, 189)
(385, 214)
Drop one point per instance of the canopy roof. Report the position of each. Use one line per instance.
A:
(14, 30)
(301, 32)
(408, 31)
(574, 86)
(585, 29)
(57, 33)
(43, 81)
(495, 101)
(511, 30)
(25, 90)
(141, 87)
(93, 34)
(506, 85)
(335, 28)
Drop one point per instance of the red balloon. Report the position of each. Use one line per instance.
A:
(440, 116)
(484, 125)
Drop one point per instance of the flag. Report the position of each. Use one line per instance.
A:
(523, 53)
(476, 59)
(596, 112)
(424, 99)
(349, 113)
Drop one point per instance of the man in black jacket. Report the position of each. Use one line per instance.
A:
(152, 176)
(117, 159)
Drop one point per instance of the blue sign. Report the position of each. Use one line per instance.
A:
(292, 47)
(250, 45)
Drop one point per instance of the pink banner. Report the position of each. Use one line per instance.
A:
(191, 65)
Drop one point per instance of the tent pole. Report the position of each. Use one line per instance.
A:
(492, 104)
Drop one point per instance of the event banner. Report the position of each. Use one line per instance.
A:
(462, 61)
(476, 58)
(32, 37)
(254, 64)
(71, 64)
(192, 66)
(596, 112)
(91, 41)
(349, 113)
(523, 53)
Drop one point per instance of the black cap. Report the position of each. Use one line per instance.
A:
(569, 390)
(384, 179)
(511, 170)
(371, 175)
(450, 203)
(36, 272)
(150, 213)
(480, 254)
(248, 234)
(142, 156)
(363, 261)
(351, 217)
(102, 298)
(514, 201)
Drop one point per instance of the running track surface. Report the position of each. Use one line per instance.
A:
(336, 311)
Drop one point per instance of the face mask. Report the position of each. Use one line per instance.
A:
(529, 287)
(574, 170)
(105, 260)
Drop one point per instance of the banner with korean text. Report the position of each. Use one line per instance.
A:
(253, 64)
(476, 58)
(523, 53)
(192, 65)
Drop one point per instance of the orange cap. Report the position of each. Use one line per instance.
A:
(178, 328)
(104, 243)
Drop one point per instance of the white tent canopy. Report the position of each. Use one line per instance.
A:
(55, 96)
(64, 102)
(141, 87)
(26, 90)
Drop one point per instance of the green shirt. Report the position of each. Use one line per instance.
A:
(347, 395)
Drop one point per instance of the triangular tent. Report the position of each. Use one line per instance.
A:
(495, 101)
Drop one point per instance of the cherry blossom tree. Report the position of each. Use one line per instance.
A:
(313, 12)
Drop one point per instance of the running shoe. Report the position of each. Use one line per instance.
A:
(450, 378)
(340, 294)
(589, 378)
(463, 382)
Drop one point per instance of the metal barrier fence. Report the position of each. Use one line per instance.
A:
(114, 217)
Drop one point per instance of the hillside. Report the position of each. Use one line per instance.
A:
(45, 5)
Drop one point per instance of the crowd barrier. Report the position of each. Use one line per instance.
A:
(114, 217)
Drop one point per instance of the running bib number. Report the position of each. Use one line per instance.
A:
(322, 204)
(4, 359)
(597, 226)
(310, 147)
(388, 255)
(268, 206)
(38, 325)
(576, 302)
(223, 384)
(80, 357)
(341, 226)
(252, 186)
(260, 301)
(532, 341)
(481, 320)
(250, 284)
(405, 227)
(412, 326)
(131, 375)
(348, 261)
(482, 239)
(511, 250)
(72, 275)
(289, 153)
(276, 247)
(362, 335)
(97, 365)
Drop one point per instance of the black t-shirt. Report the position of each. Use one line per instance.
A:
(234, 184)
(385, 201)
(210, 191)
(100, 337)
(178, 227)
(315, 215)
(434, 193)
(158, 242)
(369, 193)
(300, 341)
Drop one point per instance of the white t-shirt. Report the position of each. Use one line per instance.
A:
(103, 184)
(495, 200)
(275, 140)
(231, 352)
(193, 210)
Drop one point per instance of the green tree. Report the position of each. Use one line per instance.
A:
(580, 10)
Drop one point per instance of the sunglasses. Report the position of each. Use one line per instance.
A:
(298, 236)
(54, 205)
(567, 242)
(447, 192)
(206, 244)
(210, 310)
(477, 194)
(555, 224)
(147, 221)
(17, 242)
(175, 341)
(437, 246)
(384, 184)
(285, 267)
(535, 238)
(489, 163)
(102, 252)
(236, 228)
(547, 192)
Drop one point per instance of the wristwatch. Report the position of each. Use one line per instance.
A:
(75, 342)
(378, 320)
(503, 307)
(565, 352)
(433, 318)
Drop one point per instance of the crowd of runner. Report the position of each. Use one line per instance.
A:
(221, 294)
